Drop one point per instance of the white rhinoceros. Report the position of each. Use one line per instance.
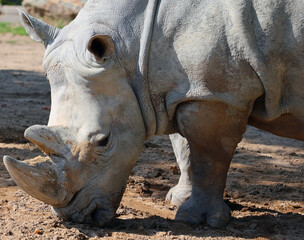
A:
(125, 70)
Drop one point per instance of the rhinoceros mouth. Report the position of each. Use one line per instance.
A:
(91, 205)
(96, 212)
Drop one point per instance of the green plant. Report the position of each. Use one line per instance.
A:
(10, 2)
(61, 23)
(9, 28)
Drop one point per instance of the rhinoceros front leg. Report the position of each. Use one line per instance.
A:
(213, 131)
(182, 191)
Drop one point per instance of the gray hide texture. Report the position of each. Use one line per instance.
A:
(125, 70)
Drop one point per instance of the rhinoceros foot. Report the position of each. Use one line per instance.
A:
(179, 194)
(216, 213)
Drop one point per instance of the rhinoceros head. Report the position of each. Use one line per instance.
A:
(95, 131)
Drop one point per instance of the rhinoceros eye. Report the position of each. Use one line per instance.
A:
(103, 142)
(100, 140)
(102, 47)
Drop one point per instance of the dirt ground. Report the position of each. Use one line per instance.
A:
(265, 186)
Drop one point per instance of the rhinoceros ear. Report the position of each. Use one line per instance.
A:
(38, 30)
(102, 47)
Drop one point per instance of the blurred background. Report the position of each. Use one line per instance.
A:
(60, 11)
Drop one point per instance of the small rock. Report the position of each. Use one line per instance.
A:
(81, 236)
(9, 233)
(38, 231)
(15, 207)
(171, 208)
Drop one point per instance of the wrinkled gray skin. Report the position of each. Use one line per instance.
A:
(213, 67)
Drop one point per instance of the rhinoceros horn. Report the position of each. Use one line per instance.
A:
(48, 139)
(40, 179)
(44, 178)
(38, 30)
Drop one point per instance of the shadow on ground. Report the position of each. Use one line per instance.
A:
(271, 224)
(24, 101)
